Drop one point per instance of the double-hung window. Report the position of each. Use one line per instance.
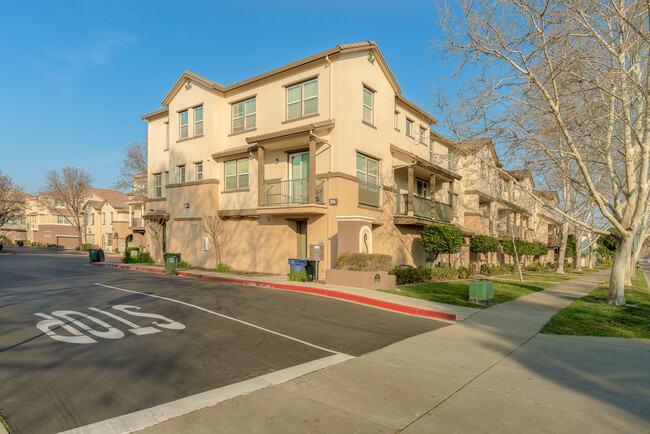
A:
(367, 169)
(199, 171)
(236, 174)
(157, 185)
(422, 135)
(244, 115)
(198, 121)
(302, 99)
(452, 159)
(61, 220)
(409, 127)
(181, 174)
(59, 203)
(184, 119)
(368, 104)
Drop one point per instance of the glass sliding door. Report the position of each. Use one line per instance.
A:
(299, 177)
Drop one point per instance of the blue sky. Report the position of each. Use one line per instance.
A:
(78, 74)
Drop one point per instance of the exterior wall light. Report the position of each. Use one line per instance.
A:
(186, 205)
(334, 201)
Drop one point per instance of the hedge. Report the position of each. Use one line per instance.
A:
(363, 261)
(429, 274)
(483, 244)
(524, 248)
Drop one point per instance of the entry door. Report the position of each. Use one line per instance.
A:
(299, 176)
(302, 239)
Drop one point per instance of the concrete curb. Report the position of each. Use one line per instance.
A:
(306, 289)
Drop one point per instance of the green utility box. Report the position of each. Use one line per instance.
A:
(171, 261)
(481, 293)
(96, 255)
(135, 253)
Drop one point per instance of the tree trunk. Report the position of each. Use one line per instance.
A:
(563, 238)
(590, 258)
(514, 247)
(578, 258)
(616, 295)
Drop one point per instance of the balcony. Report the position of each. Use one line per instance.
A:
(422, 208)
(291, 192)
(369, 194)
(136, 223)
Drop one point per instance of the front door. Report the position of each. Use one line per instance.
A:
(302, 239)
(299, 177)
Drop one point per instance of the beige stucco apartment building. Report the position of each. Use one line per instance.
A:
(320, 156)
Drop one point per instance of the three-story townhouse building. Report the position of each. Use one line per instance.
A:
(321, 155)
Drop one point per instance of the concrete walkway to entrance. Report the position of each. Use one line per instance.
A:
(492, 372)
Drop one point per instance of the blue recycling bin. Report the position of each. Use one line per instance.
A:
(297, 264)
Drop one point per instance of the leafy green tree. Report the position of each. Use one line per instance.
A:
(571, 246)
(483, 244)
(441, 238)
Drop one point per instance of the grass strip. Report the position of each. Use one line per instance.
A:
(457, 292)
(592, 316)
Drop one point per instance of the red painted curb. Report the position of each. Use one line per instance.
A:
(306, 289)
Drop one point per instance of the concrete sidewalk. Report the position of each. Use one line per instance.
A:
(383, 300)
(492, 372)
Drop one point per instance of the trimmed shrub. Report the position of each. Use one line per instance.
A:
(76, 248)
(483, 244)
(441, 238)
(407, 276)
(184, 264)
(493, 270)
(535, 266)
(224, 268)
(363, 262)
(298, 276)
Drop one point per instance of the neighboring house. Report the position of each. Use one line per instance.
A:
(107, 222)
(324, 154)
(17, 229)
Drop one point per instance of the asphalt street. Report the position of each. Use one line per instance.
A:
(81, 344)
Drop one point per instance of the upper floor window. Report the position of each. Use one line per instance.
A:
(61, 220)
(244, 115)
(92, 218)
(157, 185)
(431, 155)
(409, 127)
(166, 135)
(181, 174)
(59, 203)
(453, 202)
(302, 99)
(236, 174)
(452, 158)
(23, 220)
(199, 171)
(184, 119)
(198, 121)
(368, 104)
(423, 132)
(367, 169)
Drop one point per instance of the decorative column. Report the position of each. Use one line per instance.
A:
(260, 176)
(312, 171)
(411, 182)
(432, 195)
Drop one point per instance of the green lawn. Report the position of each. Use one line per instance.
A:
(592, 316)
(457, 292)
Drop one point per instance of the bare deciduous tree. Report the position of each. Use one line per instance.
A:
(134, 163)
(156, 230)
(211, 225)
(69, 185)
(576, 67)
(12, 200)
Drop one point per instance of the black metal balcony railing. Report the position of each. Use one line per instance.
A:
(291, 192)
(369, 194)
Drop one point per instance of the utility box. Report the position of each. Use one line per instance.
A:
(481, 293)
(96, 255)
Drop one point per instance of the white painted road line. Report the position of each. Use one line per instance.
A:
(155, 415)
(226, 317)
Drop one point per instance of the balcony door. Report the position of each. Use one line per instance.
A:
(299, 177)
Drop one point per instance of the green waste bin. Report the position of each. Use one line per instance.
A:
(171, 261)
(481, 293)
(135, 253)
(96, 255)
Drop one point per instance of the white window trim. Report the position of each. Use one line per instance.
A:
(198, 122)
(371, 106)
(244, 115)
(236, 175)
(301, 100)
(186, 124)
(198, 173)
(409, 127)
(183, 172)
(157, 189)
